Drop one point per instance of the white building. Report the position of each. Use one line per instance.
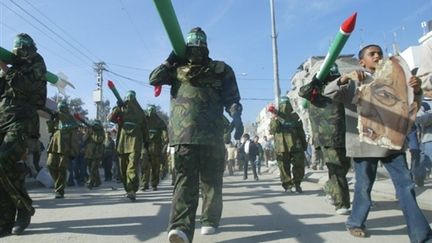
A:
(420, 56)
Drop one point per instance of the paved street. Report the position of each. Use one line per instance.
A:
(254, 211)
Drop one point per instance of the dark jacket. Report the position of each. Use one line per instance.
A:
(253, 151)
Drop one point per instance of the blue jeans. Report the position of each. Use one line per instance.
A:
(365, 174)
(425, 158)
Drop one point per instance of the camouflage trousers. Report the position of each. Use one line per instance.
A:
(197, 166)
(94, 176)
(129, 171)
(13, 194)
(285, 160)
(151, 169)
(57, 165)
(337, 186)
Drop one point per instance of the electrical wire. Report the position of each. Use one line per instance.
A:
(43, 32)
(60, 28)
(140, 82)
(52, 31)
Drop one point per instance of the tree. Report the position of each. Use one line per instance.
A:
(75, 105)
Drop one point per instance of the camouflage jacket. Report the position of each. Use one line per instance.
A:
(65, 138)
(93, 140)
(198, 96)
(288, 134)
(132, 127)
(327, 123)
(157, 131)
(23, 90)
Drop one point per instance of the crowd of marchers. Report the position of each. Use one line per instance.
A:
(197, 146)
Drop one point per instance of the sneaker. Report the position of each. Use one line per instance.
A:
(177, 236)
(207, 230)
(342, 211)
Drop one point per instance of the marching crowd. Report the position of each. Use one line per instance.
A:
(136, 153)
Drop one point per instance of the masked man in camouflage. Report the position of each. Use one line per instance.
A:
(327, 119)
(200, 89)
(62, 147)
(290, 144)
(93, 152)
(157, 137)
(22, 92)
(132, 137)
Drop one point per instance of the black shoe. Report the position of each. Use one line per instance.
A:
(58, 195)
(131, 196)
(298, 189)
(89, 186)
(256, 178)
(244, 177)
(22, 221)
(155, 188)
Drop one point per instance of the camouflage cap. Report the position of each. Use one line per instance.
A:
(130, 95)
(62, 105)
(23, 40)
(196, 37)
(151, 107)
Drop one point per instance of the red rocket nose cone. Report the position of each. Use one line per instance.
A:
(157, 90)
(349, 24)
(110, 84)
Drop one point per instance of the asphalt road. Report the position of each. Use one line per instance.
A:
(254, 211)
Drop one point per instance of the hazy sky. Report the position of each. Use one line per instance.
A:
(129, 37)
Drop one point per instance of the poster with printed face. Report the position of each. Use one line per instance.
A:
(386, 105)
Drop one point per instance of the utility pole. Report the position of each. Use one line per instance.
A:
(97, 93)
(276, 85)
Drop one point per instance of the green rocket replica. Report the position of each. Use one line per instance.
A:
(57, 80)
(113, 89)
(338, 43)
(172, 27)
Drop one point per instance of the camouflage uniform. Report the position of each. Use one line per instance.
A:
(108, 156)
(328, 134)
(327, 119)
(199, 92)
(63, 146)
(157, 137)
(93, 152)
(132, 133)
(290, 143)
(22, 92)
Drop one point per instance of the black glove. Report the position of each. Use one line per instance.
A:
(235, 112)
(120, 103)
(174, 59)
(238, 126)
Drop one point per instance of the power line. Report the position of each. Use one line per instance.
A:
(134, 26)
(37, 28)
(259, 99)
(140, 82)
(60, 28)
(130, 67)
(52, 31)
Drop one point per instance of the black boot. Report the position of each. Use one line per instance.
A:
(22, 221)
(5, 230)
